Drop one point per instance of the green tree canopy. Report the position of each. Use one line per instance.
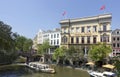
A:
(117, 65)
(23, 43)
(99, 52)
(7, 43)
(44, 47)
(59, 52)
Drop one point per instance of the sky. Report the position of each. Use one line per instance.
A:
(26, 17)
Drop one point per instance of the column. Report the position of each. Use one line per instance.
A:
(49, 51)
(85, 51)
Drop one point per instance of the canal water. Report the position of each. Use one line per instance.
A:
(22, 71)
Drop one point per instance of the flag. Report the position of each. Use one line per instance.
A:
(63, 14)
(102, 7)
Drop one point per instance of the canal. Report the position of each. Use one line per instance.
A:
(22, 71)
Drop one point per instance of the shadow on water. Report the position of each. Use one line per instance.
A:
(23, 71)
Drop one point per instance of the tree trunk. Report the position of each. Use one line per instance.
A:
(71, 61)
(58, 60)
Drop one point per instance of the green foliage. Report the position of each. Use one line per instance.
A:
(99, 52)
(23, 43)
(7, 44)
(117, 65)
(44, 47)
(59, 52)
(71, 51)
(27, 45)
(20, 60)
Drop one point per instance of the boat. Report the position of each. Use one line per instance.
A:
(99, 74)
(95, 74)
(109, 74)
(41, 67)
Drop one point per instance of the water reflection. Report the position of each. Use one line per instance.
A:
(60, 72)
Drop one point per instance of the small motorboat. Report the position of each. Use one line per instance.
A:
(99, 74)
(41, 67)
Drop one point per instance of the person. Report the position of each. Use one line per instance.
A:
(27, 61)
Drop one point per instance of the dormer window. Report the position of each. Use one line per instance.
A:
(117, 32)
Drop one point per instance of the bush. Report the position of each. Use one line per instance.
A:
(21, 60)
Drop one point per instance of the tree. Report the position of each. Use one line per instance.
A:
(70, 54)
(59, 53)
(20, 43)
(117, 65)
(42, 49)
(7, 44)
(23, 43)
(27, 45)
(99, 52)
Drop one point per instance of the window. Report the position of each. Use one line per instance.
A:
(88, 39)
(94, 39)
(57, 35)
(65, 30)
(51, 36)
(51, 42)
(82, 40)
(57, 41)
(54, 35)
(77, 40)
(72, 39)
(72, 30)
(94, 28)
(104, 38)
(118, 39)
(64, 39)
(113, 38)
(117, 32)
(77, 29)
(114, 45)
(118, 45)
(88, 29)
(82, 29)
(54, 42)
(107, 38)
(104, 27)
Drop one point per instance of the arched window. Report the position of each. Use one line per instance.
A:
(64, 39)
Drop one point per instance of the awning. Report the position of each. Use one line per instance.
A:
(108, 66)
(90, 63)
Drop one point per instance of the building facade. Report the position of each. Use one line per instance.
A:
(52, 36)
(38, 39)
(83, 32)
(54, 40)
(116, 42)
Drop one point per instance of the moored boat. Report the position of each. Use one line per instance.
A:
(99, 74)
(41, 67)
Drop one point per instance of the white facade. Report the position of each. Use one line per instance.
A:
(53, 36)
(54, 40)
(45, 36)
(40, 37)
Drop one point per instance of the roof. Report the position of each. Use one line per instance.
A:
(87, 18)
